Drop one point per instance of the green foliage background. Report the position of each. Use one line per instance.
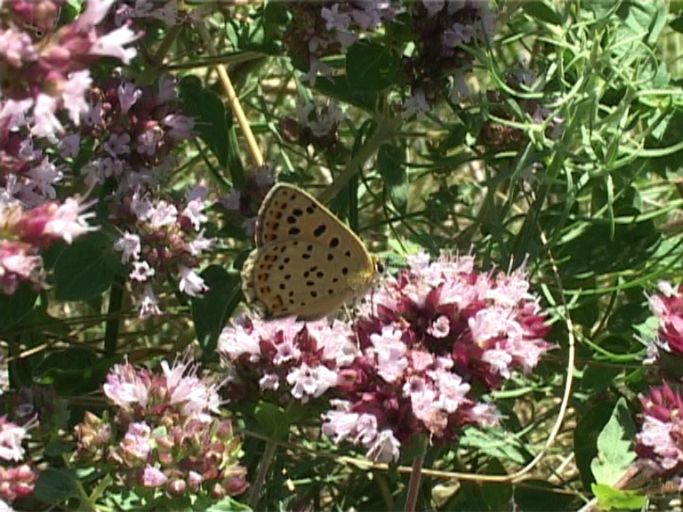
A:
(593, 213)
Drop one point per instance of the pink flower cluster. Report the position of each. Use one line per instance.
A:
(47, 80)
(286, 356)
(166, 435)
(409, 363)
(442, 28)
(659, 444)
(668, 308)
(17, 478)
(325, 28)
(428, 338)
(23, 232)
(133, 131)
(163, 237)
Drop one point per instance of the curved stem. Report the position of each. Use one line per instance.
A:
(263, 468)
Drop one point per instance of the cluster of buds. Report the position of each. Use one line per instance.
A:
(50, 77)
(133, 131)
(428, 338)
(442, 29)
(319, 29)
(141, 12)
(314, 125)
(166, 435)
(286, 357)
(500, 136)
(24, 232)
(164, 238)
(17, 477)
(39, 15)
(243, 202)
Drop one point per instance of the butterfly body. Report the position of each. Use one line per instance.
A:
(306, 263)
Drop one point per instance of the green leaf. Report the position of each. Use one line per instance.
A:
(496, 495)
(542, 11)
(73, 370)
(14, 308)
(677, 24)
(273, 420)
(55, 486)
(371, 66)
(391, 165)
(610, 498)
(338, 88)
(210, 310)
(70, 11)
(210, 116)
(495, 442)
(225, 505)
(86, 268)
(541, 496)
(586, 435)
(615, 454)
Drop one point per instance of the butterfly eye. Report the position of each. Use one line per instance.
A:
(379, 267)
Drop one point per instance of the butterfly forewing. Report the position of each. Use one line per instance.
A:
(289, 213)
(302, 278)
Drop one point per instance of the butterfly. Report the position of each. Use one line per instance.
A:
(307, 263)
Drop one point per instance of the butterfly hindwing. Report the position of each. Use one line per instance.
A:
(301, 278)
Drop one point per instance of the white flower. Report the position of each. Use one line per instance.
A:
(385, 448)
(191, 283)
(129, 245)
(73, 94)
(416, 104)
(311, 381)
(149, 304)
(142, 271)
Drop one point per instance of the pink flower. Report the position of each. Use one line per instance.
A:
(136, 444)
(425, 338)
(11, 438)
(668, 307)
(153, 477)
(194, 397)
(126, 386)
(18, 264)
(53, 221)
(128, 94)
(659, 443)
(16, 48)
(298, 358)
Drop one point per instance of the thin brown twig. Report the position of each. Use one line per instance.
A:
(233, 99)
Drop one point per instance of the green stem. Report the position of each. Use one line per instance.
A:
(385, 129)
(111, 328)
(416, 476)
(264, 466)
